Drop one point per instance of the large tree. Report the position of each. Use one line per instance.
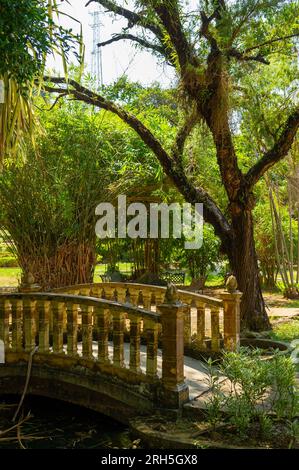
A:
(213, 46)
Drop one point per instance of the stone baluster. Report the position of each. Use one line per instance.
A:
(43, 308)
(201, 325)
(109, 293)
(29, 323)
(135, 327)
(134, 296)
(231, 319)
(187, 325)
(147, 299)
(96, 291)
(86, 312)
(121, 295)
(122, 298)
(16, 325)
(215, 330)
(85, 291)
(58, 310)
(175, 390)
(152, 331)
(159, 297)
(118, 338)
(72, 328)
(102, 318)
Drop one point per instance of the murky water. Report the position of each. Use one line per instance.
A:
(58, 425)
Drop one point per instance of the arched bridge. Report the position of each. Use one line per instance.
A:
(121, 349)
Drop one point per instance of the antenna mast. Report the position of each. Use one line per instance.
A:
(96, 53)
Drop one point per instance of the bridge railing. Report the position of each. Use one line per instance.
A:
(210, 323)
(93, 330)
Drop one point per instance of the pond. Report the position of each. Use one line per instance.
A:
(57, 425)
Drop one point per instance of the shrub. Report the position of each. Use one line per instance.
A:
(8, 262)
(262, 393)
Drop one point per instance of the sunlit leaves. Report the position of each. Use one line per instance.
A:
(29, 31)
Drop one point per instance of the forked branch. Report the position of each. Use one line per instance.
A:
(277, 152)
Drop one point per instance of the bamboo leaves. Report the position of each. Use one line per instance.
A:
(29, 32)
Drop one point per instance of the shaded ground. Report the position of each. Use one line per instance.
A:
(198, 433)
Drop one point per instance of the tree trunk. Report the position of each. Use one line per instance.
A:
(71, 263)
(244, 264)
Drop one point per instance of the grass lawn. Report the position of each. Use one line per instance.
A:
(215, 280)
(286, 331)
(276, 299)
(9, 276)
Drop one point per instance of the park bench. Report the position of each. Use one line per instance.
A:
(173, 277)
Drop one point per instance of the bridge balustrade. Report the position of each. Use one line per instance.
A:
(92, 332)
(210, 323)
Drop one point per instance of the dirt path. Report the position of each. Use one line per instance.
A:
(283, 312)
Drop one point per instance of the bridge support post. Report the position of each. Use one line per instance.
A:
(231, 319)
(175, 390)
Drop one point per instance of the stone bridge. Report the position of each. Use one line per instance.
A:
(119, 348)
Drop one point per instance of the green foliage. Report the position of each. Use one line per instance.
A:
(201, 261)
(215, 403)
(8, 262)
(285, 400)
(29, 31)
(261, 392)
(201, 164)
(27, 34)
(23, 25)
(48, 203)
(286, 331)
(265, 244)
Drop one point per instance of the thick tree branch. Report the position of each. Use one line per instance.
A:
(143, 42)
(134, 19)
(182, 135)
(243, 55)
(211, 212)
(170, 18)
(247, 58)
(137, 19)
(206, 20)
(204, 30)
(278, 151)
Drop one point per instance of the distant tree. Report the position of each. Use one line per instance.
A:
(47, 203)
(202, 261)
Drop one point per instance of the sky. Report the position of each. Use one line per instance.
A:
(118, 58)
